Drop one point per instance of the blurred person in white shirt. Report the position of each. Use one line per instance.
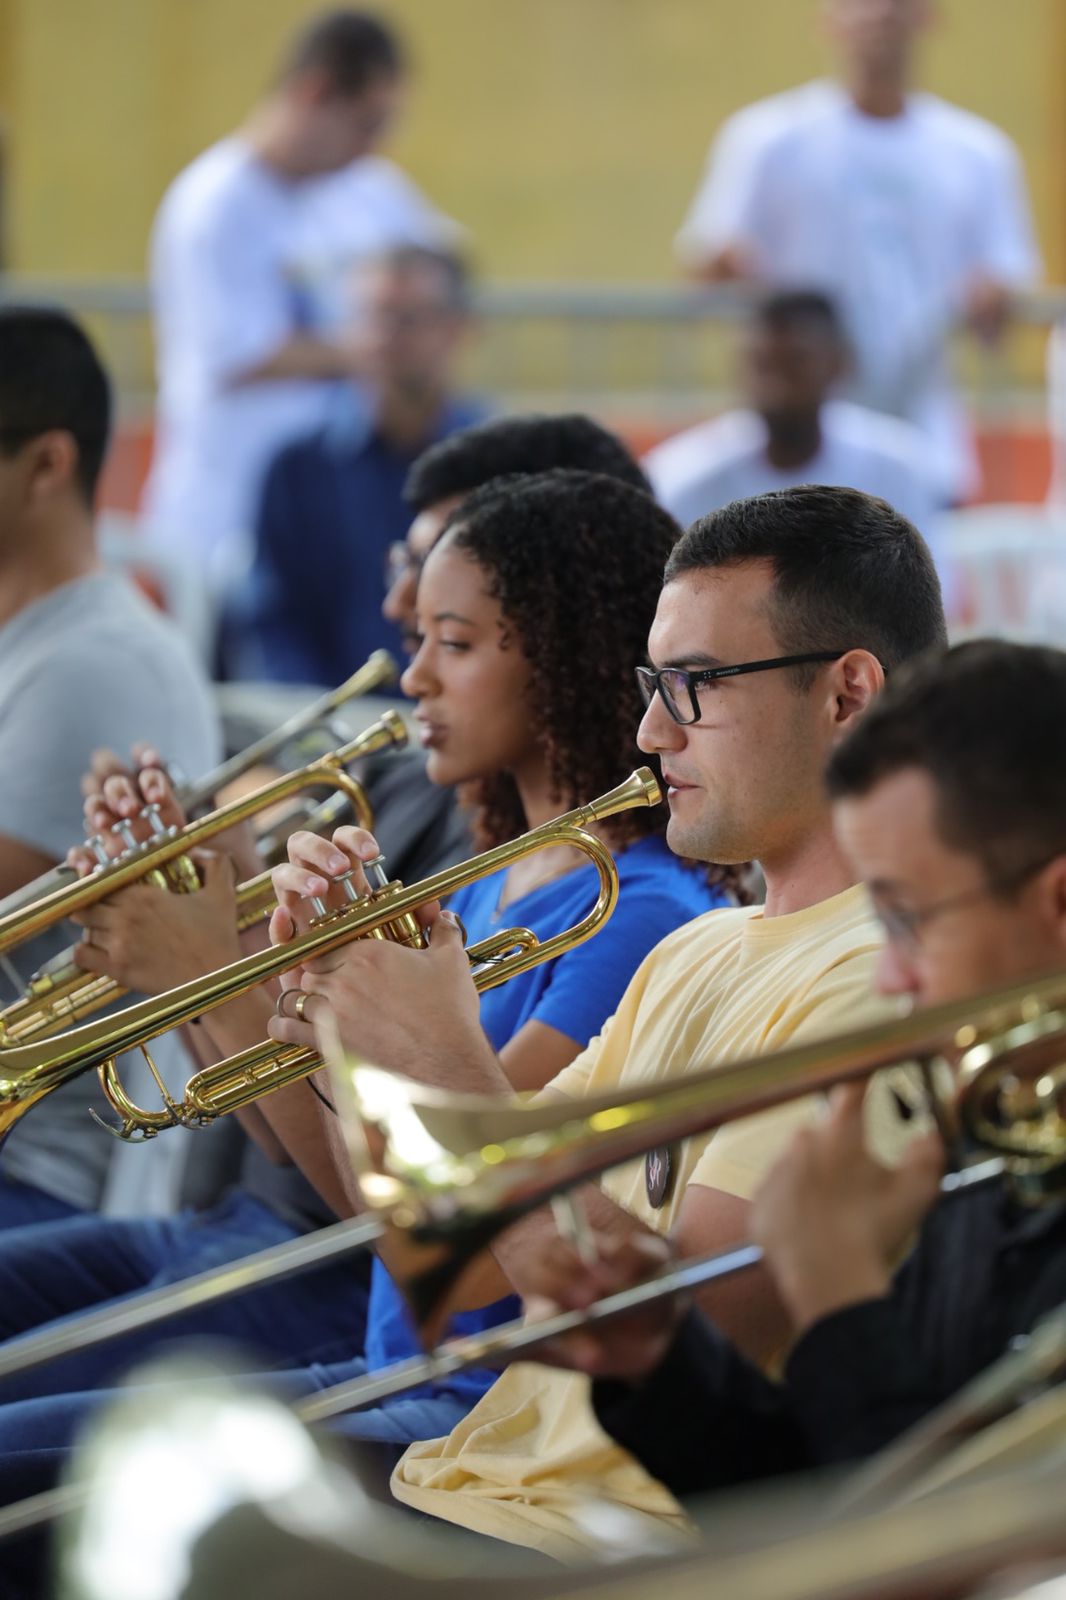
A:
(245, 248)
(793, 357)
(910, 212)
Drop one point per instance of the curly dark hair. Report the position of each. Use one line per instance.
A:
(505, 446)
(575, 560)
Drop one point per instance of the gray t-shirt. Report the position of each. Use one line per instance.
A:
(90, 664)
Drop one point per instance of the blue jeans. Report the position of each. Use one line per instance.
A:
(304, 1331)
(35, 1438)
(22, 1205)
(52, 1271)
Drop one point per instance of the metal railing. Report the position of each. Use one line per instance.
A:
(663, 352)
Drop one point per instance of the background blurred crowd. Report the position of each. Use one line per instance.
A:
(314, 315)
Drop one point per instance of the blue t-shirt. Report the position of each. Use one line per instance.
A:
(575, 994)
(309, 608)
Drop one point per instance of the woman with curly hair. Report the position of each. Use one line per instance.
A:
(533, 608)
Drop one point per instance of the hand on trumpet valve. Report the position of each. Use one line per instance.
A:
(832, 1221)
(321, 875)
(104, 764)
(628, 1346)
(151, 941)
(409, 1011)
(123, 806)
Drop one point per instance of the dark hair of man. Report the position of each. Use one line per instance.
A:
(574, 560)
(985, 722)
(508, 446)
(51, 378)
(349, 48)
(450, 270)
(790, 308)
(850, 573)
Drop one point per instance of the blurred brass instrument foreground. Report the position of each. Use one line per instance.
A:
(30, 1071)
(62, 993)
(377, 672)
(447, 1172)
(442, 1174)
(257, 1504)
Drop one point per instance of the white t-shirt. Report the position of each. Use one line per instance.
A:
(891, 216)
(725, 459)
(241, 260)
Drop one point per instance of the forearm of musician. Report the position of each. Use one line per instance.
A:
(295, 1120)
(506, 1268)
(339, 1159)
(746, 1306)
(536, 1055)
(261, 1133)
(205, 1053)
(20, 864)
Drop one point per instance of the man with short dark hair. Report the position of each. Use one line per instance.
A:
(950, 800)
(777, 621)
(245, 254)
(84, 661)
(794, 356)
(332, 504)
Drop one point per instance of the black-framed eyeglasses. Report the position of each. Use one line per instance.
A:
(401, 562)
(679, 689)
(903, 925)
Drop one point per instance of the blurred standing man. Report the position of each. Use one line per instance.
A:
(244, 364)
(333, 503)
(911, 213)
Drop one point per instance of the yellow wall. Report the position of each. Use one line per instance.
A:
(567, 134)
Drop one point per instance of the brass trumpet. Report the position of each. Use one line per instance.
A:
(377, 672)
(62, 993)
(30, 1071)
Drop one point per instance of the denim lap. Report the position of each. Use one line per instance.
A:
(51, 1272)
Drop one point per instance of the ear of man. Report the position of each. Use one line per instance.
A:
(857, 679)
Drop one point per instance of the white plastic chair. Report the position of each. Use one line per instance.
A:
(1007, 572)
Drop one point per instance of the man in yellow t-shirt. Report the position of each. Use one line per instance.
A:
(778, 619)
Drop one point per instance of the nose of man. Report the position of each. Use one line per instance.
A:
(658, 731)
(896, 972)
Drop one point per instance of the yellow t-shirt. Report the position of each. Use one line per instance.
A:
(530, 1455)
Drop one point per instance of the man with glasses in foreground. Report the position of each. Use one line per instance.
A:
(843, 582)
(950, 801)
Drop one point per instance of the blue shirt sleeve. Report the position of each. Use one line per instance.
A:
(579, 990)
(583, 988)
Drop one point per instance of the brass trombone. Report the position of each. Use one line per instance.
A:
(377, 672)
(442, 1174)
(61, 993)
(449, 1171)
